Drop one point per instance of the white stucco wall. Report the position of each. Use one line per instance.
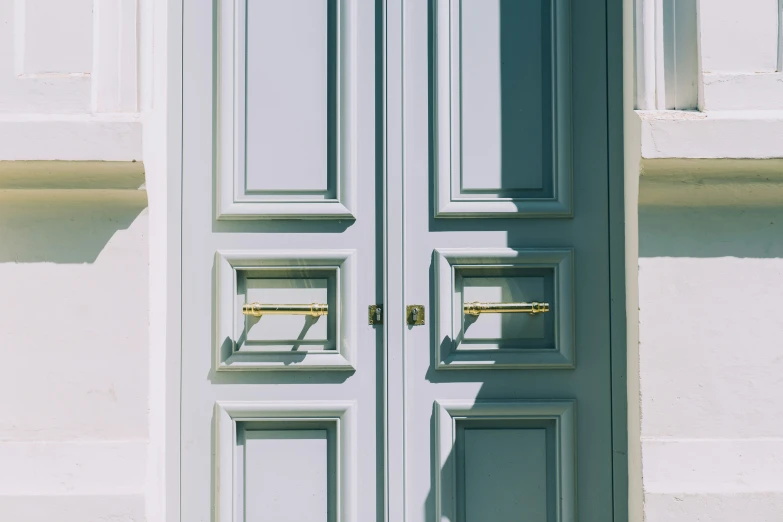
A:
(74, 258)
(711, 361)
(73, 414)
(708, 366)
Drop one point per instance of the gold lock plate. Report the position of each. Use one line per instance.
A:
(414, 315)
(375, 314)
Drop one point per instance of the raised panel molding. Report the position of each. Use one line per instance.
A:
(452, 199)
(334, 197)
(229, 264)
(556, 415)
(449, 313)
(232, 417)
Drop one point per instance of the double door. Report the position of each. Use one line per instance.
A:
(395, 261)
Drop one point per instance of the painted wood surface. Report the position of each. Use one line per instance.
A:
(414, 422)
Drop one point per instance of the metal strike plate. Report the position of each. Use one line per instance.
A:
(375, 313)
(414, 314)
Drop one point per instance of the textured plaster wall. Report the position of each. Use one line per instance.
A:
(74, 264)
(73, 414)
(709, 372)
(711, 360)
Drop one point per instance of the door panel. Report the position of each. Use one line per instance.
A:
(286, 461)
(476, 447)
(279, 413)
(286, 112)
(502, 98)
(506, 460)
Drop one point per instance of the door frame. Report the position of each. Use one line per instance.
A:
(165, 383)
(617, 11)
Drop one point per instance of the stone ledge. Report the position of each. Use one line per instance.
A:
(711, 182)
(72, 175)
(711, 135)
(54, 137)
(726, 158)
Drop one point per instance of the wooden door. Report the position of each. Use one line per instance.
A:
(506, 416)
(279, 398)
(445, 155)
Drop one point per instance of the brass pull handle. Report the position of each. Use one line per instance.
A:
(477, 308)
(312, 309)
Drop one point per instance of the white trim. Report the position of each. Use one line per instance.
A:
(394, 262)
(114, 77)
(169, 449)
(666, 49)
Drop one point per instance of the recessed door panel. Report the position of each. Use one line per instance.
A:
(504, 472)
(288, 332)
(489, 331)
(286, 109)
(503, 108)
(290, 82)
(285, 310)
(285, 461)
(506, 97)
(505, 460)
(282, 466)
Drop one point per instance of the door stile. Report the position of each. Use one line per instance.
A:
(394, 225)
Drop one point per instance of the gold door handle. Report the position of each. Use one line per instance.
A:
(477, 308)
(312, 309)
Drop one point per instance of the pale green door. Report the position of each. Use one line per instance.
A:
(446, 154)
(503, 133)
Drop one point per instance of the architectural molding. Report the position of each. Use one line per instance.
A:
(666, 47)
(234, 199)
(535, 414)
(455, 353)
(451, 198)
(72, 175)
(74, 137)
(228, 480)
(230, 266)
(711, 135)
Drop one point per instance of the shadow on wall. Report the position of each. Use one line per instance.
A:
(63, 226)
(710, 232)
